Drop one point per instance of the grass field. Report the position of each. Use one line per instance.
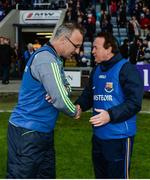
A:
(73, 147)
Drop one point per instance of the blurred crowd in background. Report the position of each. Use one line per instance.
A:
(131, 17)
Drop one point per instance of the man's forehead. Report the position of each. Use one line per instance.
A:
(98, 40)
(76, 32)
(77, 37)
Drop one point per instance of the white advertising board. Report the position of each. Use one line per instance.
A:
(40, 16)
(74, 78)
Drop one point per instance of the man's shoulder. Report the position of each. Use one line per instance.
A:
(44, 56)
(129, 69)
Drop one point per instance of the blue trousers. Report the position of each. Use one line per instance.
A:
(31, 154)
(111, 158)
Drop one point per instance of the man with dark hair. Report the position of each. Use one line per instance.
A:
(135, 50)
(6, 54)
(115, 92)
(31, 151)
(124, 49)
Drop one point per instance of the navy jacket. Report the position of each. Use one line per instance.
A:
(132, 87)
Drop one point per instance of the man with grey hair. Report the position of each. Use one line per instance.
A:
(31, 151)
(27, 54)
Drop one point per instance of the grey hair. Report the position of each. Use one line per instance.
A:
(67, 29)
(30, 45)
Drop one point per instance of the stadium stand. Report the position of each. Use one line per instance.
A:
(115, 16)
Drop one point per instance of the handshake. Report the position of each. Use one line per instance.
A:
(102, 117)
(78, 108)
(79, 111)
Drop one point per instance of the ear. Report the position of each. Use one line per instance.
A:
(109, 50)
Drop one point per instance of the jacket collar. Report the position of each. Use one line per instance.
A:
(106, 65)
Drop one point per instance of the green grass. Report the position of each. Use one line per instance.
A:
(146, 105)
(73, 147)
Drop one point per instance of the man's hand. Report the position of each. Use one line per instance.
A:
(78, 108)
(48, 98)
(79, 111)
(101, 118)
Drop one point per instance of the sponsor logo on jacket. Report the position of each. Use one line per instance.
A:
(101, 97)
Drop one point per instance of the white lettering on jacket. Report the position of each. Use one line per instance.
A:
(102, 97)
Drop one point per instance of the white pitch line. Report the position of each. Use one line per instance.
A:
(1, 111)
(144, 112)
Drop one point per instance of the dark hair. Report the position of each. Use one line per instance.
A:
(125, 41)
(110, 41)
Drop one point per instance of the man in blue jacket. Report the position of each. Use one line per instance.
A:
(31, 126)
(115, 92)
(28, 53)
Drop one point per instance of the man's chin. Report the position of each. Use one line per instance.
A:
(96, 60)
(69, 56)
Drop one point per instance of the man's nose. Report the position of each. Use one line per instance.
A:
(93, 51)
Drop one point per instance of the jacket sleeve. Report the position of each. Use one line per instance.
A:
(132, 86)
(85, 100)
(46, 70)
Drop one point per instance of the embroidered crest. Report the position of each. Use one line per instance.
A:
(109, 87)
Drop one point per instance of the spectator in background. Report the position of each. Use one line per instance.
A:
(113, 8)
(5, 59)
(133, 28)
(14, 67)
(144, 24)
(135, 50)
(122, 19)
(148, 35)
(6, 6)
(104, 22)
(147, 53)
(131, 5)
(80, 20)
(109, 27)
(36, 3)
(53, 5)
(18, 59)
(81, 59)
(68, 17)
(27, 54)
(36, 45)
(136, 12)
(124, 49)
(142, 51)
(147, 12)
(103, 5)
(61, 4)
(90, 26)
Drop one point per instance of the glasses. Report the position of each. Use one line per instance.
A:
(77, 46)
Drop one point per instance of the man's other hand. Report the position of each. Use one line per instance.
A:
(101, 118)
(79, 111)
(48, 98)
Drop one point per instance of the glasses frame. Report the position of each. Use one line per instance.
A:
(75, 45)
